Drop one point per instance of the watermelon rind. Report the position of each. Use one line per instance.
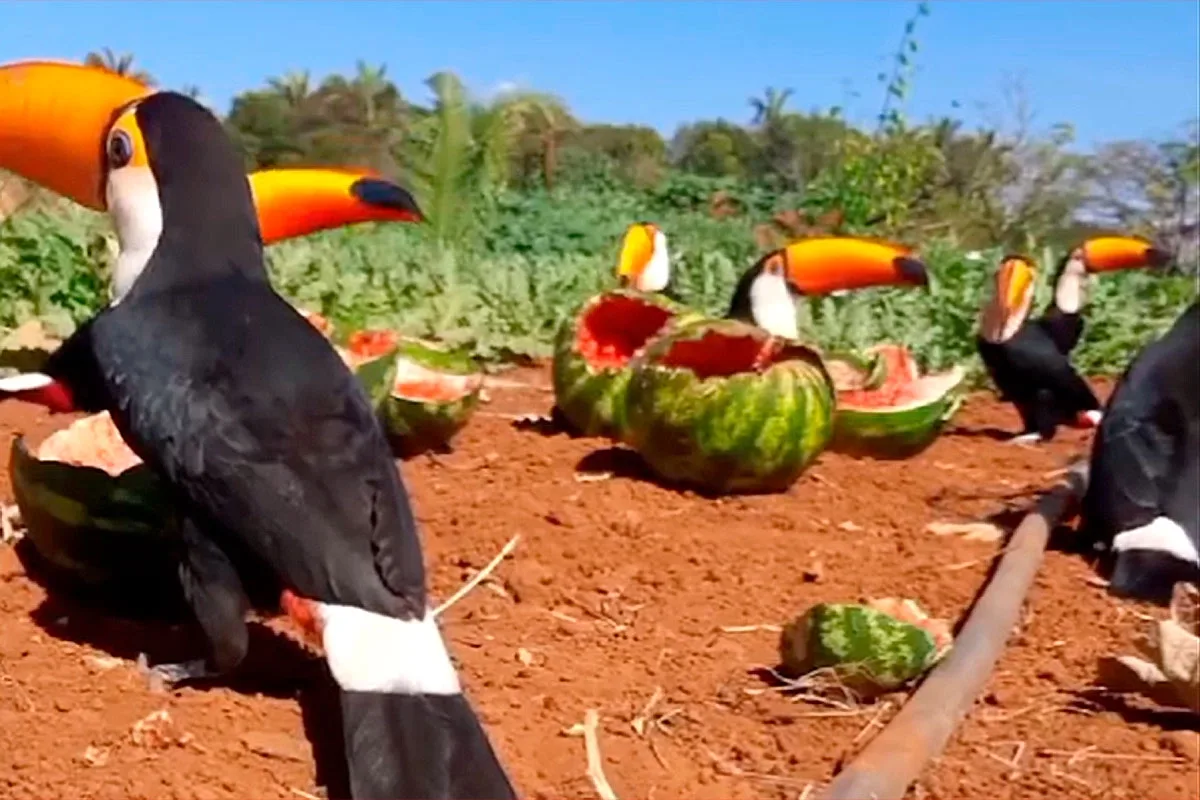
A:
(853, 370)
(418, 425)
(749, 432)
(868, 651)
(900, 432)
(111, 537)
(592, 399)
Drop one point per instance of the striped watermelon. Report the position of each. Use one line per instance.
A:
(868, 649)
(593, 350)
(900, 416)
(725, 406)
(426, 393)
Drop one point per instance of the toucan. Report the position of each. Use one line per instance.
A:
(1024, 361)
(1142, 505)
(766, 294)
(266, 441)
(1062, 318)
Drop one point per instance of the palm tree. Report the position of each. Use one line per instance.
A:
(120, 64)
(295, 87)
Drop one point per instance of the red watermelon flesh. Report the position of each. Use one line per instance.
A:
(417, 382)
(718, 354)
(901, 384)
(616, 328)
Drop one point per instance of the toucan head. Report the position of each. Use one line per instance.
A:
(644, 263)
(159, 163)
(1011, 299)
(766, 294)
(297, 201)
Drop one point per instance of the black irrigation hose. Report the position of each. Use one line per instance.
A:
(894, 759)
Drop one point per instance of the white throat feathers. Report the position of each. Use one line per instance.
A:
(134, 207)
(370, 652)
(657, 274)
(772, 305)
(1069, 291)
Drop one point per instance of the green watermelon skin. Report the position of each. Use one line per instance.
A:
(417, 426)
(111, 537)
(871, 652)
(592, 398)
(751, 432)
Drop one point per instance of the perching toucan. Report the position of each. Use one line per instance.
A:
(267, 441)
(766, 294)
(1025, 363)
(1062, 318)
(1142, 506)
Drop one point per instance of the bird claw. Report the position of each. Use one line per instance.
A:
(1088, 419)
(166, 676)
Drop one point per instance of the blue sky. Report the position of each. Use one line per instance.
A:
(1113, 69)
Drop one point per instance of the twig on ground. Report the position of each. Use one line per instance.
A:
(1090, 753)
(1013, 762)
(974, 561)
(884, 707)
(304, 794)
(595, 764)
(726, 768)
(751, 628)
(479, 577)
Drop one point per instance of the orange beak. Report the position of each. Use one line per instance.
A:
(54, 116)
(1014, 282)
(1110, 253)
(825, 264)
(636, 251)
(296, 202)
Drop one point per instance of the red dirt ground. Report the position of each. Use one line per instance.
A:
(618, 590)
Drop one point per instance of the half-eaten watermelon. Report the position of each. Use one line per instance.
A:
(593, 351)
(98, 517)
(724, 406)
(902, 415)
(431, 391)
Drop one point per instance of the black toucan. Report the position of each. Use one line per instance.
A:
(1025, 363)
(1142, 506)
(1063, 319)
(264, 437)
(766, 293)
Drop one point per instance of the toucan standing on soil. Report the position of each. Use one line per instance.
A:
(1026, 364)
(1142, 505)
(267, 441)
(1062, 319)
(766, 294)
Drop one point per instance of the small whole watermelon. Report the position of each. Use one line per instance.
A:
(425, 392)
(869, 650)
(725, 406)
(593, 351)
(899, 416)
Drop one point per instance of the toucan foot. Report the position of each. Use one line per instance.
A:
(1026, 439)
(167, 676)
(1088, 419)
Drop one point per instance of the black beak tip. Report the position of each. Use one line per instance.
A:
(913, 270)
(385, 194)
(1157, 257)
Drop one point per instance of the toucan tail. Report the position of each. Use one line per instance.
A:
(419, 746)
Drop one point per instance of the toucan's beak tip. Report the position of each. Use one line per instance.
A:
(912, 271)
(1157, 257)
(385, 194)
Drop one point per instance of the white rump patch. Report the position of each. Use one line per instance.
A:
(25, 382)
(370, 652)
(1163, 535)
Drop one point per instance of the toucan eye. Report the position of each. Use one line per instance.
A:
(120, 149)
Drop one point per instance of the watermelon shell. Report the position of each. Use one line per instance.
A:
(109, 532)
(593, 351)
(899, 417)
(425, 393)
(869, 651)
(724, 406)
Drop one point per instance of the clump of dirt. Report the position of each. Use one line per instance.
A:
(658, 608)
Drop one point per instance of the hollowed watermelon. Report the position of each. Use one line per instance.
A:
(96, 514)
(724, 406)
(902, 415)
(428, 394)
(593, 351)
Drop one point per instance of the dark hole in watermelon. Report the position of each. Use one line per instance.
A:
(616, 328)
(717, 354)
